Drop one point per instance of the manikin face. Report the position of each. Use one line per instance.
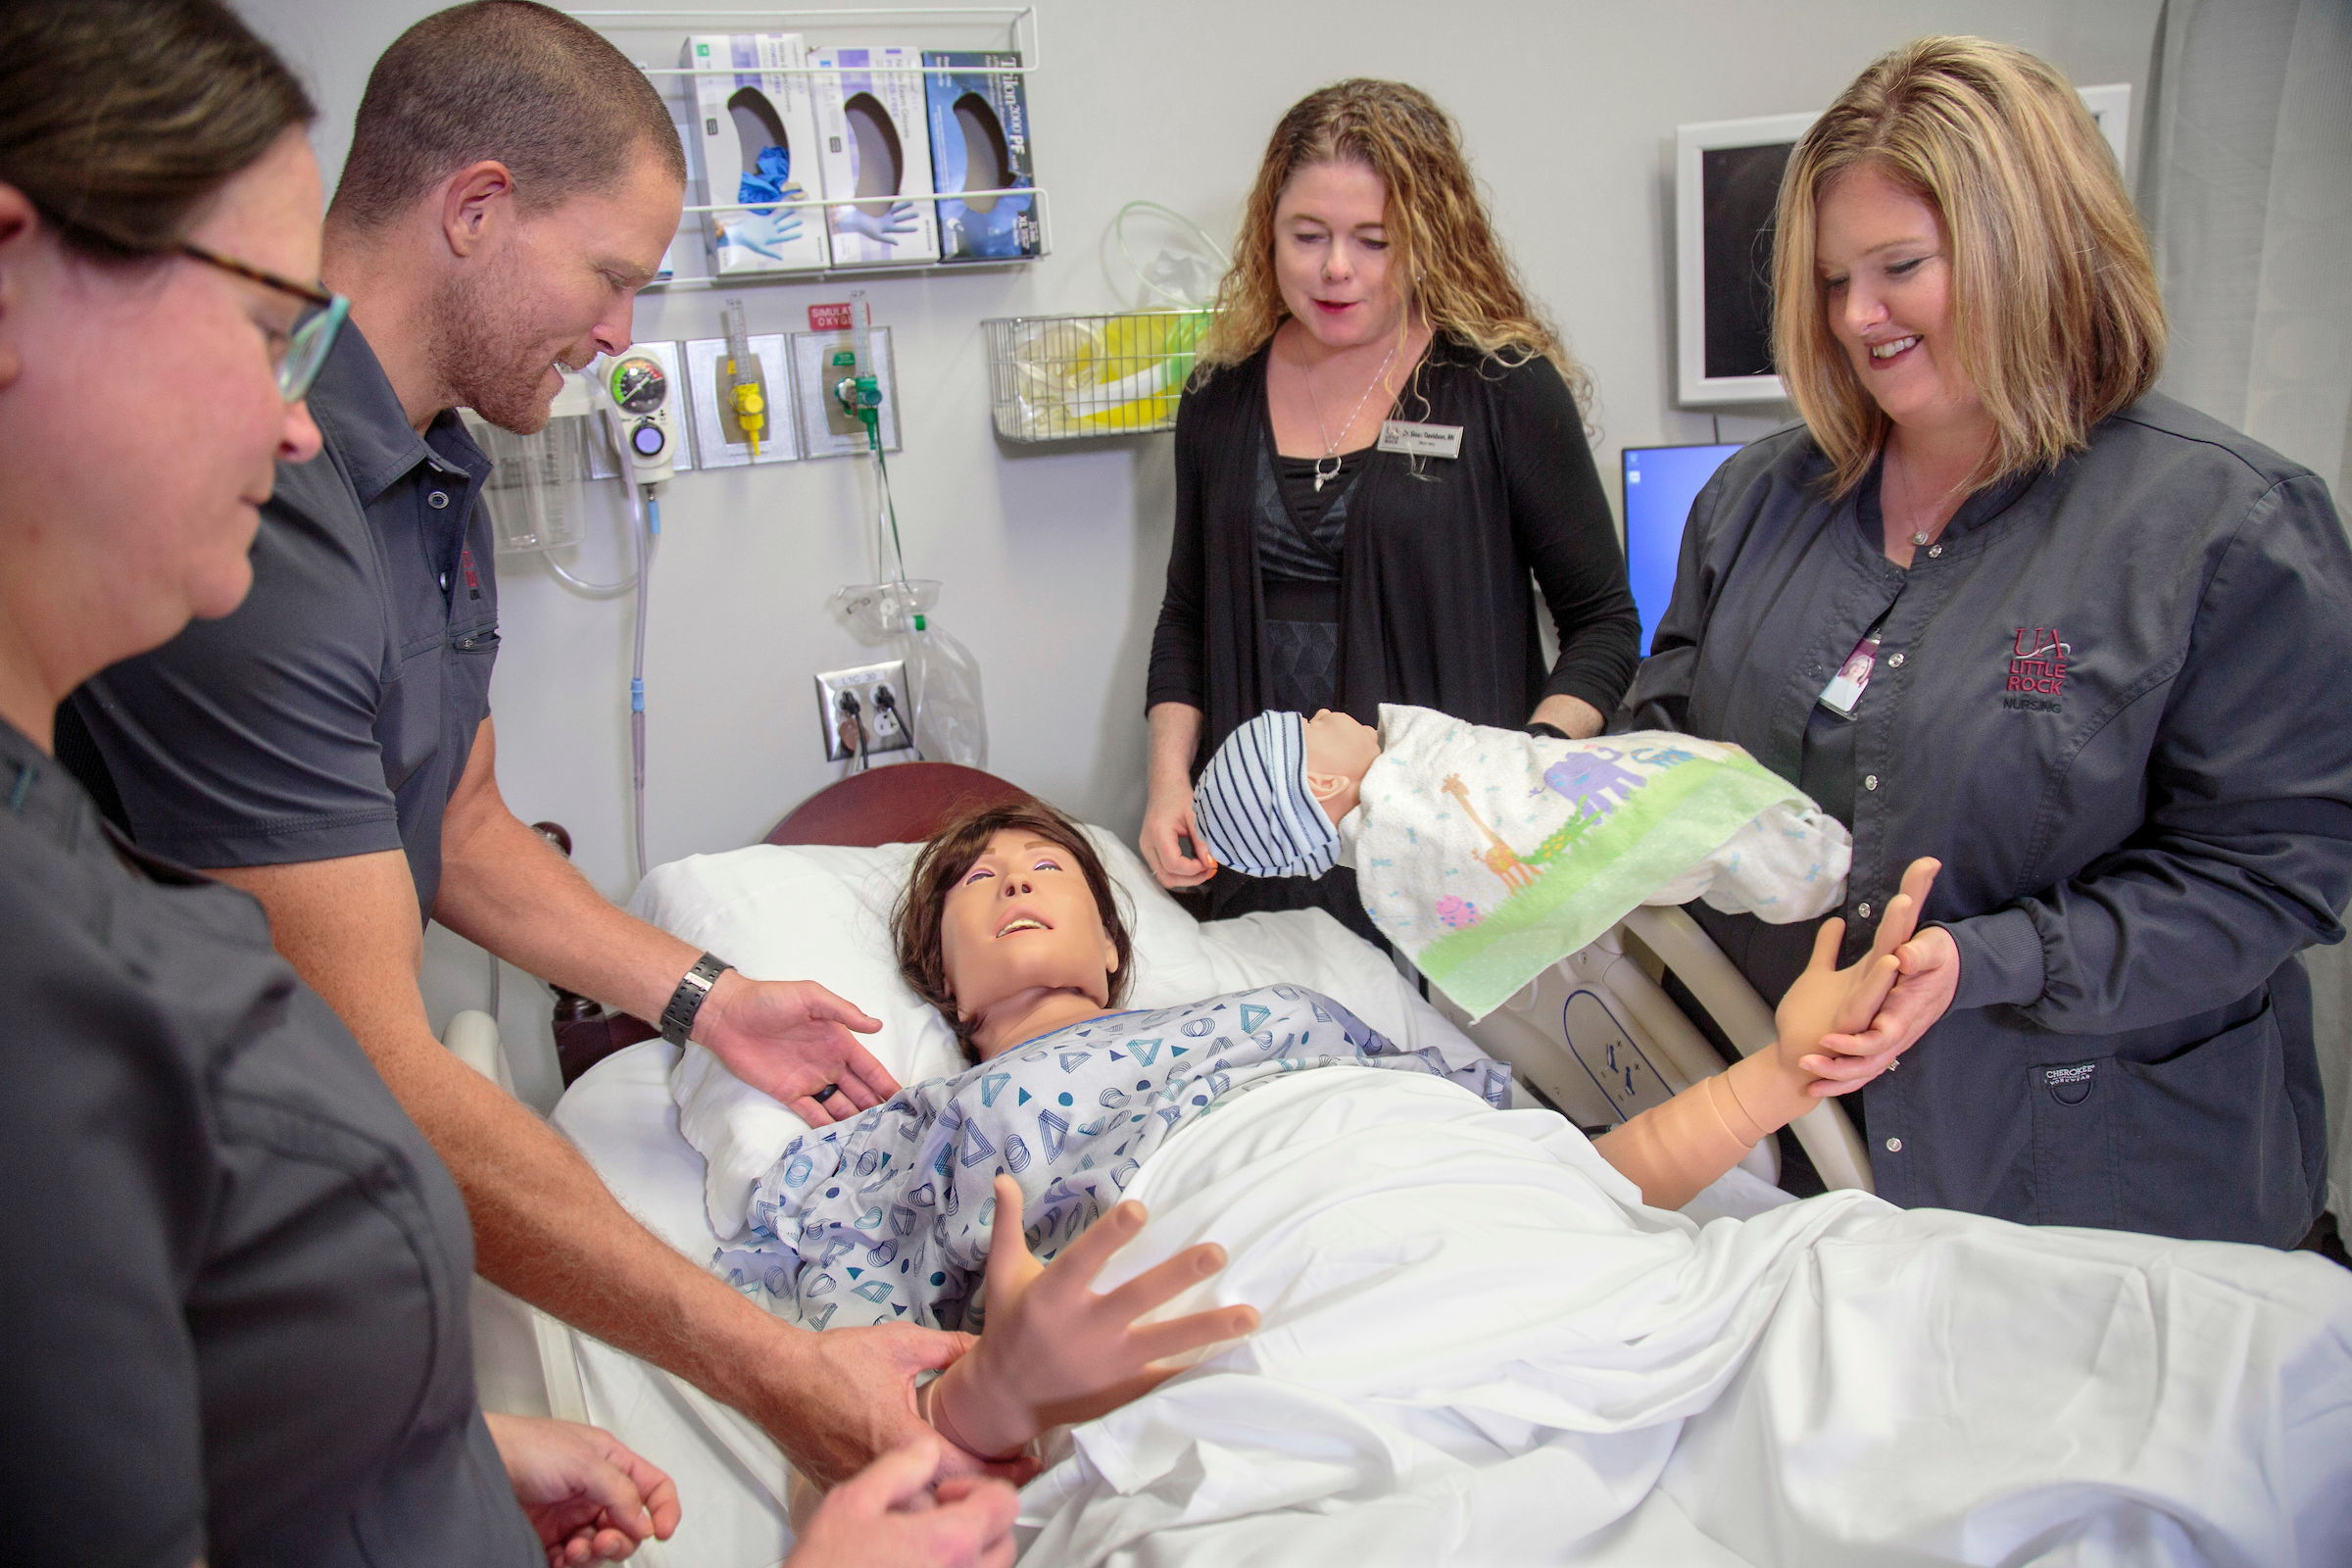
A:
(1021, 923)
(140, 404)
(1331, 254)
(548, 288)
(1339, 753)
(1886, 267)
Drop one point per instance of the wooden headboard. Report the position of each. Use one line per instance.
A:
(902, 805)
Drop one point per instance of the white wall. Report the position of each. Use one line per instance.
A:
(1052, 558)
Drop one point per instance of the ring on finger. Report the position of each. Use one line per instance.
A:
(826, 1093)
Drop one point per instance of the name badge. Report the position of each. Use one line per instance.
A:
(1420, 440)
(1844, 691)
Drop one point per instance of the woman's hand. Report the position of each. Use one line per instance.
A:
(1822, 1016)
(899, 1514)
(1169, 815)
(1054, 1352)
(589, 1497)
(1930, 978)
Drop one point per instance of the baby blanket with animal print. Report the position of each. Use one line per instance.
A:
(1488, 855)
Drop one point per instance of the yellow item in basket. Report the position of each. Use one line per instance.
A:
(1102, 377)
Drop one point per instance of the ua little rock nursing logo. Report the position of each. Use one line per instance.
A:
(2037, 661)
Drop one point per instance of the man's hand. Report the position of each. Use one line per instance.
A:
(901, 1513)
(848, 1395)
(589, 1497)
(1056, 1352)
(790, 1039)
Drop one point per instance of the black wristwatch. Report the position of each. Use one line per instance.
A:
(684, 1002)
(1553, 731)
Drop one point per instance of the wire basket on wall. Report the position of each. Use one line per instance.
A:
(1061, 377)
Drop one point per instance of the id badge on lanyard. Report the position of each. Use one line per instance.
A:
(1844, 694)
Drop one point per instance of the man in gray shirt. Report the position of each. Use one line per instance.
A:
(513, 182)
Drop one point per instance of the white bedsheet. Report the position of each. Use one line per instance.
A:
(1478, 1347)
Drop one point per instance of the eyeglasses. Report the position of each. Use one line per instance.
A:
(313, 331)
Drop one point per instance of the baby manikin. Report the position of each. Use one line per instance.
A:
(1487, 856)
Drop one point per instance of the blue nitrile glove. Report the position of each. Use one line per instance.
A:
(899, 220)
(764, 180)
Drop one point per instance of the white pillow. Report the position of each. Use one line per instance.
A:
(821, 913)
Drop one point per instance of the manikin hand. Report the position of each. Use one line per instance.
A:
(766, 232)
(589, 1497)
(790, 1039)
(1822, 1018)
(899, 220)
(1931, 978)
(904, 1512)
(1054, 1352)
(836, 1401)
(1168, 815)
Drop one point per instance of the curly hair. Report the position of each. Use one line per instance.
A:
(2056, 315)
(1438, 229)
(914, 923)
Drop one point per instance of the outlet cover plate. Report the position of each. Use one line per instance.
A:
(885, 725)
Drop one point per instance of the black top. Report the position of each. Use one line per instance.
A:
(332, 712)
(1436, 608)
(2115, 698)
(235, 1292)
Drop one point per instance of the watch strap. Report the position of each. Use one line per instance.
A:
(677, 1019)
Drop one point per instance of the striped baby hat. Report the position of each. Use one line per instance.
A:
(1252, 807)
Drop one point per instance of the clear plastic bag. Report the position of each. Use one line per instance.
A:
(943, 680)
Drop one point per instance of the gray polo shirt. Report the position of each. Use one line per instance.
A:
(2115, 700)
(332, 712)
(236, 1279)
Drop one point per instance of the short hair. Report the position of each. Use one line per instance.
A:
(1441, 240)
(548, 96)
(2056, 315)
(914, 923)
(121, 119)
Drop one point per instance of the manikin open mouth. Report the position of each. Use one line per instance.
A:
(1889, 350)
(1022, 922)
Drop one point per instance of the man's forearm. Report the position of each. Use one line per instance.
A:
(506, 889)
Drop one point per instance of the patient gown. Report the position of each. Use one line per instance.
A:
(887, 1218)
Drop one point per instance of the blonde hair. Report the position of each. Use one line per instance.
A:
(1438, 231)
(2056, 319)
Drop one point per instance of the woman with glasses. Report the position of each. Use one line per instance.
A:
(235, 1291)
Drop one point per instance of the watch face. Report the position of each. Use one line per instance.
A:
(638, 385)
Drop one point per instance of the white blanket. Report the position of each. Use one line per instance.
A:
(1480, 1348)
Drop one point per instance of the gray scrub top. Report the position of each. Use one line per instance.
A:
(234, 1300)
(2115, 698)
(332, 712)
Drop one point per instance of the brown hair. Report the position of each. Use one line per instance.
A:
(119, 119)
(914, 923)
(2056, 317)
(549, 97)
(1439, 233)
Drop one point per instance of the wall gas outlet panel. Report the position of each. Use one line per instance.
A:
(643, 384)
(865, 708)
(718, 446)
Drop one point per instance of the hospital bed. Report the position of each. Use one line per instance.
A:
(1597, 1037)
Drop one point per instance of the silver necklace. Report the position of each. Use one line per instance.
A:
(1331, 448)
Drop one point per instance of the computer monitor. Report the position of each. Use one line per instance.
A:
(1660, 483)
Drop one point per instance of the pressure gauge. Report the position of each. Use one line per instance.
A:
(639, 385)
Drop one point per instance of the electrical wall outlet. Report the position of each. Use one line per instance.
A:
(864, 710)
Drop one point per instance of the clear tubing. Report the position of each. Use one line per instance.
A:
(651, 511)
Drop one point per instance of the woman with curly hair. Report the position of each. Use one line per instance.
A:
(1384, 441)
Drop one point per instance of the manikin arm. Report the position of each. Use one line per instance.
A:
(1673, 1152)
(1054, 1352)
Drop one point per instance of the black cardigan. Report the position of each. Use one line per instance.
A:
(1435, 608)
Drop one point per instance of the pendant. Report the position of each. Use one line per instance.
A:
(1320, 475)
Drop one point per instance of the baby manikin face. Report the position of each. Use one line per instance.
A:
(1338, 748)
(1022, 918)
